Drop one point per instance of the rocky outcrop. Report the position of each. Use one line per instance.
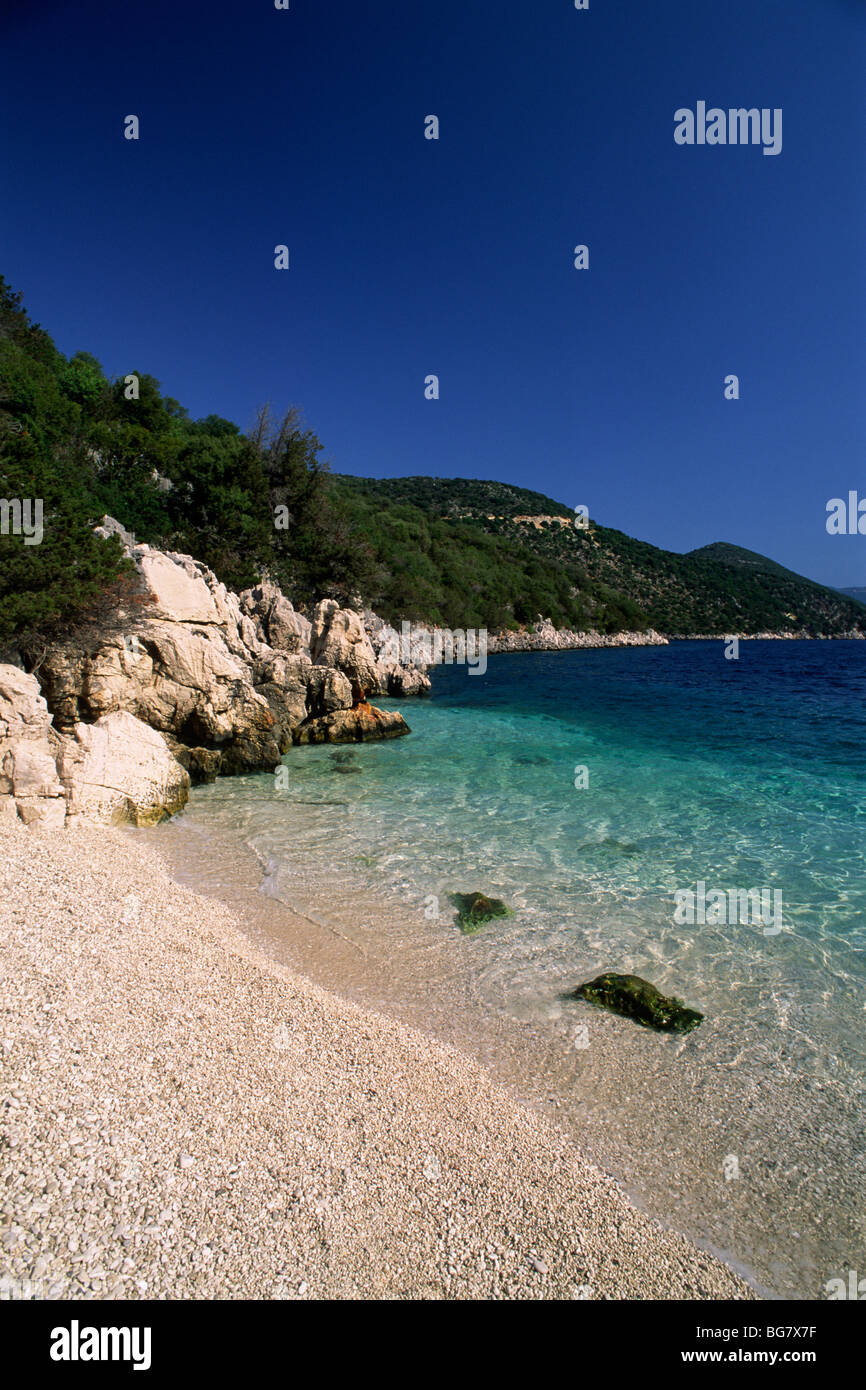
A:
(186, 682)
(339, 639)
(114, 770)
(228, 680)
(30, 788)
(120, 771)
(355, 725)
(401, 658)
(327, 691)
(404, 657)
(281, 627)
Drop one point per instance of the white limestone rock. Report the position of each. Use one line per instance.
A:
(119, 770)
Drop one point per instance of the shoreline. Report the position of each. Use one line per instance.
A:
(290, 1144)
(511, 644)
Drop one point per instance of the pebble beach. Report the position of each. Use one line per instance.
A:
(183, 1118)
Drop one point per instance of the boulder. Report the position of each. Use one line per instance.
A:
(119, 770)
(338, 638)
(352, 726)
(474, 909)
(327, 690)
(29, 783)
(177, 596)
(281, 627)
(635, 998)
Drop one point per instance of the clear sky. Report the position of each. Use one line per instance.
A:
(411, 256)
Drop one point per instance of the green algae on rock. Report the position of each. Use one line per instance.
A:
(635, 998)
(474, 910)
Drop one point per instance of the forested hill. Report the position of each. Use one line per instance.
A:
(471, 552)
(462, 553)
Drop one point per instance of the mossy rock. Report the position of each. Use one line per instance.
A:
(635, 998)
(474, 910)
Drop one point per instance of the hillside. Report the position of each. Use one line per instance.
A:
(460, 552)
(467, 552)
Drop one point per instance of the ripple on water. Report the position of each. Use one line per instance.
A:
(696, 773)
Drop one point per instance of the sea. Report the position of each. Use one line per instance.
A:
(598, 794)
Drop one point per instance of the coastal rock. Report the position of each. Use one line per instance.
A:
(544, 637)
(174, 679)
(118, 770)
(401, 658)
(338, 638)
(635, 998)
(176, 595)
(327, 690)
(30, 787)
(475, 909)
(282, 627)
(352, 726)
(283, 680)
(228, 681)
(404, 681)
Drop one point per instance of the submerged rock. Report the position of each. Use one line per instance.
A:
(635, 998)
(474, 909)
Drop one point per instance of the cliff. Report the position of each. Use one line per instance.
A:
(188, 681)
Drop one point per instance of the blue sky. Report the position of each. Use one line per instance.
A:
(409, 256)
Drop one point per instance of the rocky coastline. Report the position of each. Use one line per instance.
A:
(187, 682)
(544, 637)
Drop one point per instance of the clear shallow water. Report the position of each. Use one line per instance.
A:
(740, 774)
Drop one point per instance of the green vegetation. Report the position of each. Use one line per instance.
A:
(461, 552)
(73, 438)
(450, 552)
(453, 549)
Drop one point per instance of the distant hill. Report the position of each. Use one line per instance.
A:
(467, 552)
(858, 595)
(458, 552)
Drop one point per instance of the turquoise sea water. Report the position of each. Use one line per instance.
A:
(748, 1134)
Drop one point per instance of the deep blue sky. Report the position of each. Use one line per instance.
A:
(410, 257)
